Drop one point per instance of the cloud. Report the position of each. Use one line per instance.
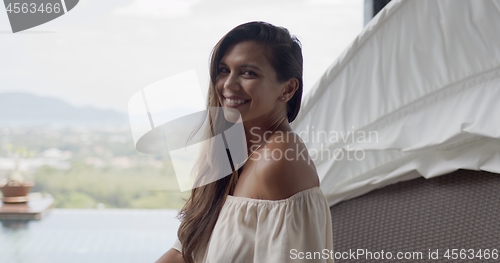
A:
(157, 8)
(328, 2)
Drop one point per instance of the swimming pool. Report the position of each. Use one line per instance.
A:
(79, 235)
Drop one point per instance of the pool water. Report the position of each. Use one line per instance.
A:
(78, 235)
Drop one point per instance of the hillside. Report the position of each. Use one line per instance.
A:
(28, 107)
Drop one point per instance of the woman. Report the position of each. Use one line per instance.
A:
(271, 209)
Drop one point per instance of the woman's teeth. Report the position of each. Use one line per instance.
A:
(230, 101)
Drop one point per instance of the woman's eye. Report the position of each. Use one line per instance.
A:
(223, 70)
(249, 72)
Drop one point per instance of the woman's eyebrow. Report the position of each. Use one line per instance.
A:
(250, 66)
(242, 66)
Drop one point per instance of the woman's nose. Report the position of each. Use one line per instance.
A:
(231, 82)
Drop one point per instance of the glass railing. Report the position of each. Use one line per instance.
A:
(89, 235)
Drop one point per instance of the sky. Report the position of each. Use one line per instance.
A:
(101, 53)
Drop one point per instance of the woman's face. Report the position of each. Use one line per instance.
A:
(247, 82)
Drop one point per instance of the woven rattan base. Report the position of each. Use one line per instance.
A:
(460, 210)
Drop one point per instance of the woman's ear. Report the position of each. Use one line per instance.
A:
(289, 89)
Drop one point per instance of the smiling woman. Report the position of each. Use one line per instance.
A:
(247, 81)
(268, 207)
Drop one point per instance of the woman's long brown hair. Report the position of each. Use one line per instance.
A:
(200, 213)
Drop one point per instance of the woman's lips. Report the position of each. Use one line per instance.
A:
(234, 103)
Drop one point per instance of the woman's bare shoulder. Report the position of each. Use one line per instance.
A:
(171, 256)
(283, 168)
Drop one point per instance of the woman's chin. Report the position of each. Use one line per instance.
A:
(231, 114)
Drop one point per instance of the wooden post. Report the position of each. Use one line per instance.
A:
(372, 7)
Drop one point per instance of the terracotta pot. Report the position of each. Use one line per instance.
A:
(17, 190)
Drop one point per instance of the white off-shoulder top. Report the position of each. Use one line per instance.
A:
(295, 229)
